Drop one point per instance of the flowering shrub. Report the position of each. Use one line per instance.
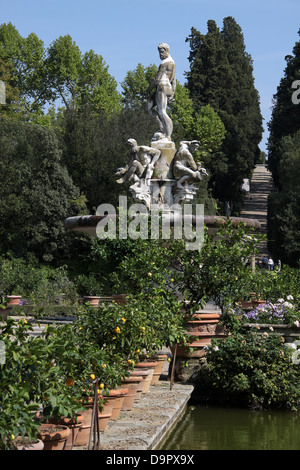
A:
(284, 311)
(252, 369)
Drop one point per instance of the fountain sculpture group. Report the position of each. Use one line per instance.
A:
(160, 174)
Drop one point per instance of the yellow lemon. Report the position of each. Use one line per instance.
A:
(92, 376)
(117, 329)
(103, 365)
(101, 386)
(124, 320)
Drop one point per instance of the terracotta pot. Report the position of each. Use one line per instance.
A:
(83, 434)
(161, 358)
(84, 430)
(131, 383)
(92, 300)
(74, 425)
(147, 365)
(116, 399)
(104, 416)
(140, 387)
(13, 300)
(203, 327)
(54, 436)
(144, 374)
(26, 444)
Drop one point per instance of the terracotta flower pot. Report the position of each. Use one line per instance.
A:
(144, 374)
(25, 444)
(203, 327)
(131, 383)
(104, 416)
(161, 358)
(116, 399)
(84, 430)
(54, 436)
(83, 434)
(92, 300)
(74, 425)
(150, 365)
(140, 387)
(13, 300)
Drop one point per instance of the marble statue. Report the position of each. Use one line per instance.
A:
(141, 163)
(164, 85)
(185, 169)
(161, 175)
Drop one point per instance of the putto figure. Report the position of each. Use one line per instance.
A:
(164, 84)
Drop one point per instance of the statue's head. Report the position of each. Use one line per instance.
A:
(164, 50)
(132, 143)
(164, 46)
(194, 145)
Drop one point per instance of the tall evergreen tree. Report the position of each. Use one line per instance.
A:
(284, 205)
(221, 74)
(285, 118)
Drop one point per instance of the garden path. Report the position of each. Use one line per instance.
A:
(256, 202)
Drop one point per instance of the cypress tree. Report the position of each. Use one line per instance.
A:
(285, 118)
(221, 74)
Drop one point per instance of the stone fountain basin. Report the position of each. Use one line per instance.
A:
(88, 223)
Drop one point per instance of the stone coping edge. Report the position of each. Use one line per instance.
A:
(149, 421)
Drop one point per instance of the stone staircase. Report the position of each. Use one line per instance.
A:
(256, 202)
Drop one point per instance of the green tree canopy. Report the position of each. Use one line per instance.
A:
(36, 194)
(25, 59)
(42, 76)
(135, 85)
(80, 79)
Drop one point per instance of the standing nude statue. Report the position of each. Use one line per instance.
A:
(164, 84)
(141, 163)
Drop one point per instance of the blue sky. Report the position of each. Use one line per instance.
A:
(127, 32)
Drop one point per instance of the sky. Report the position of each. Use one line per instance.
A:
(127, 32)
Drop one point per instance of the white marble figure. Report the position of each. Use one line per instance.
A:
(141, 164)
(164, 85)
(162, 176)
(185, 169)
